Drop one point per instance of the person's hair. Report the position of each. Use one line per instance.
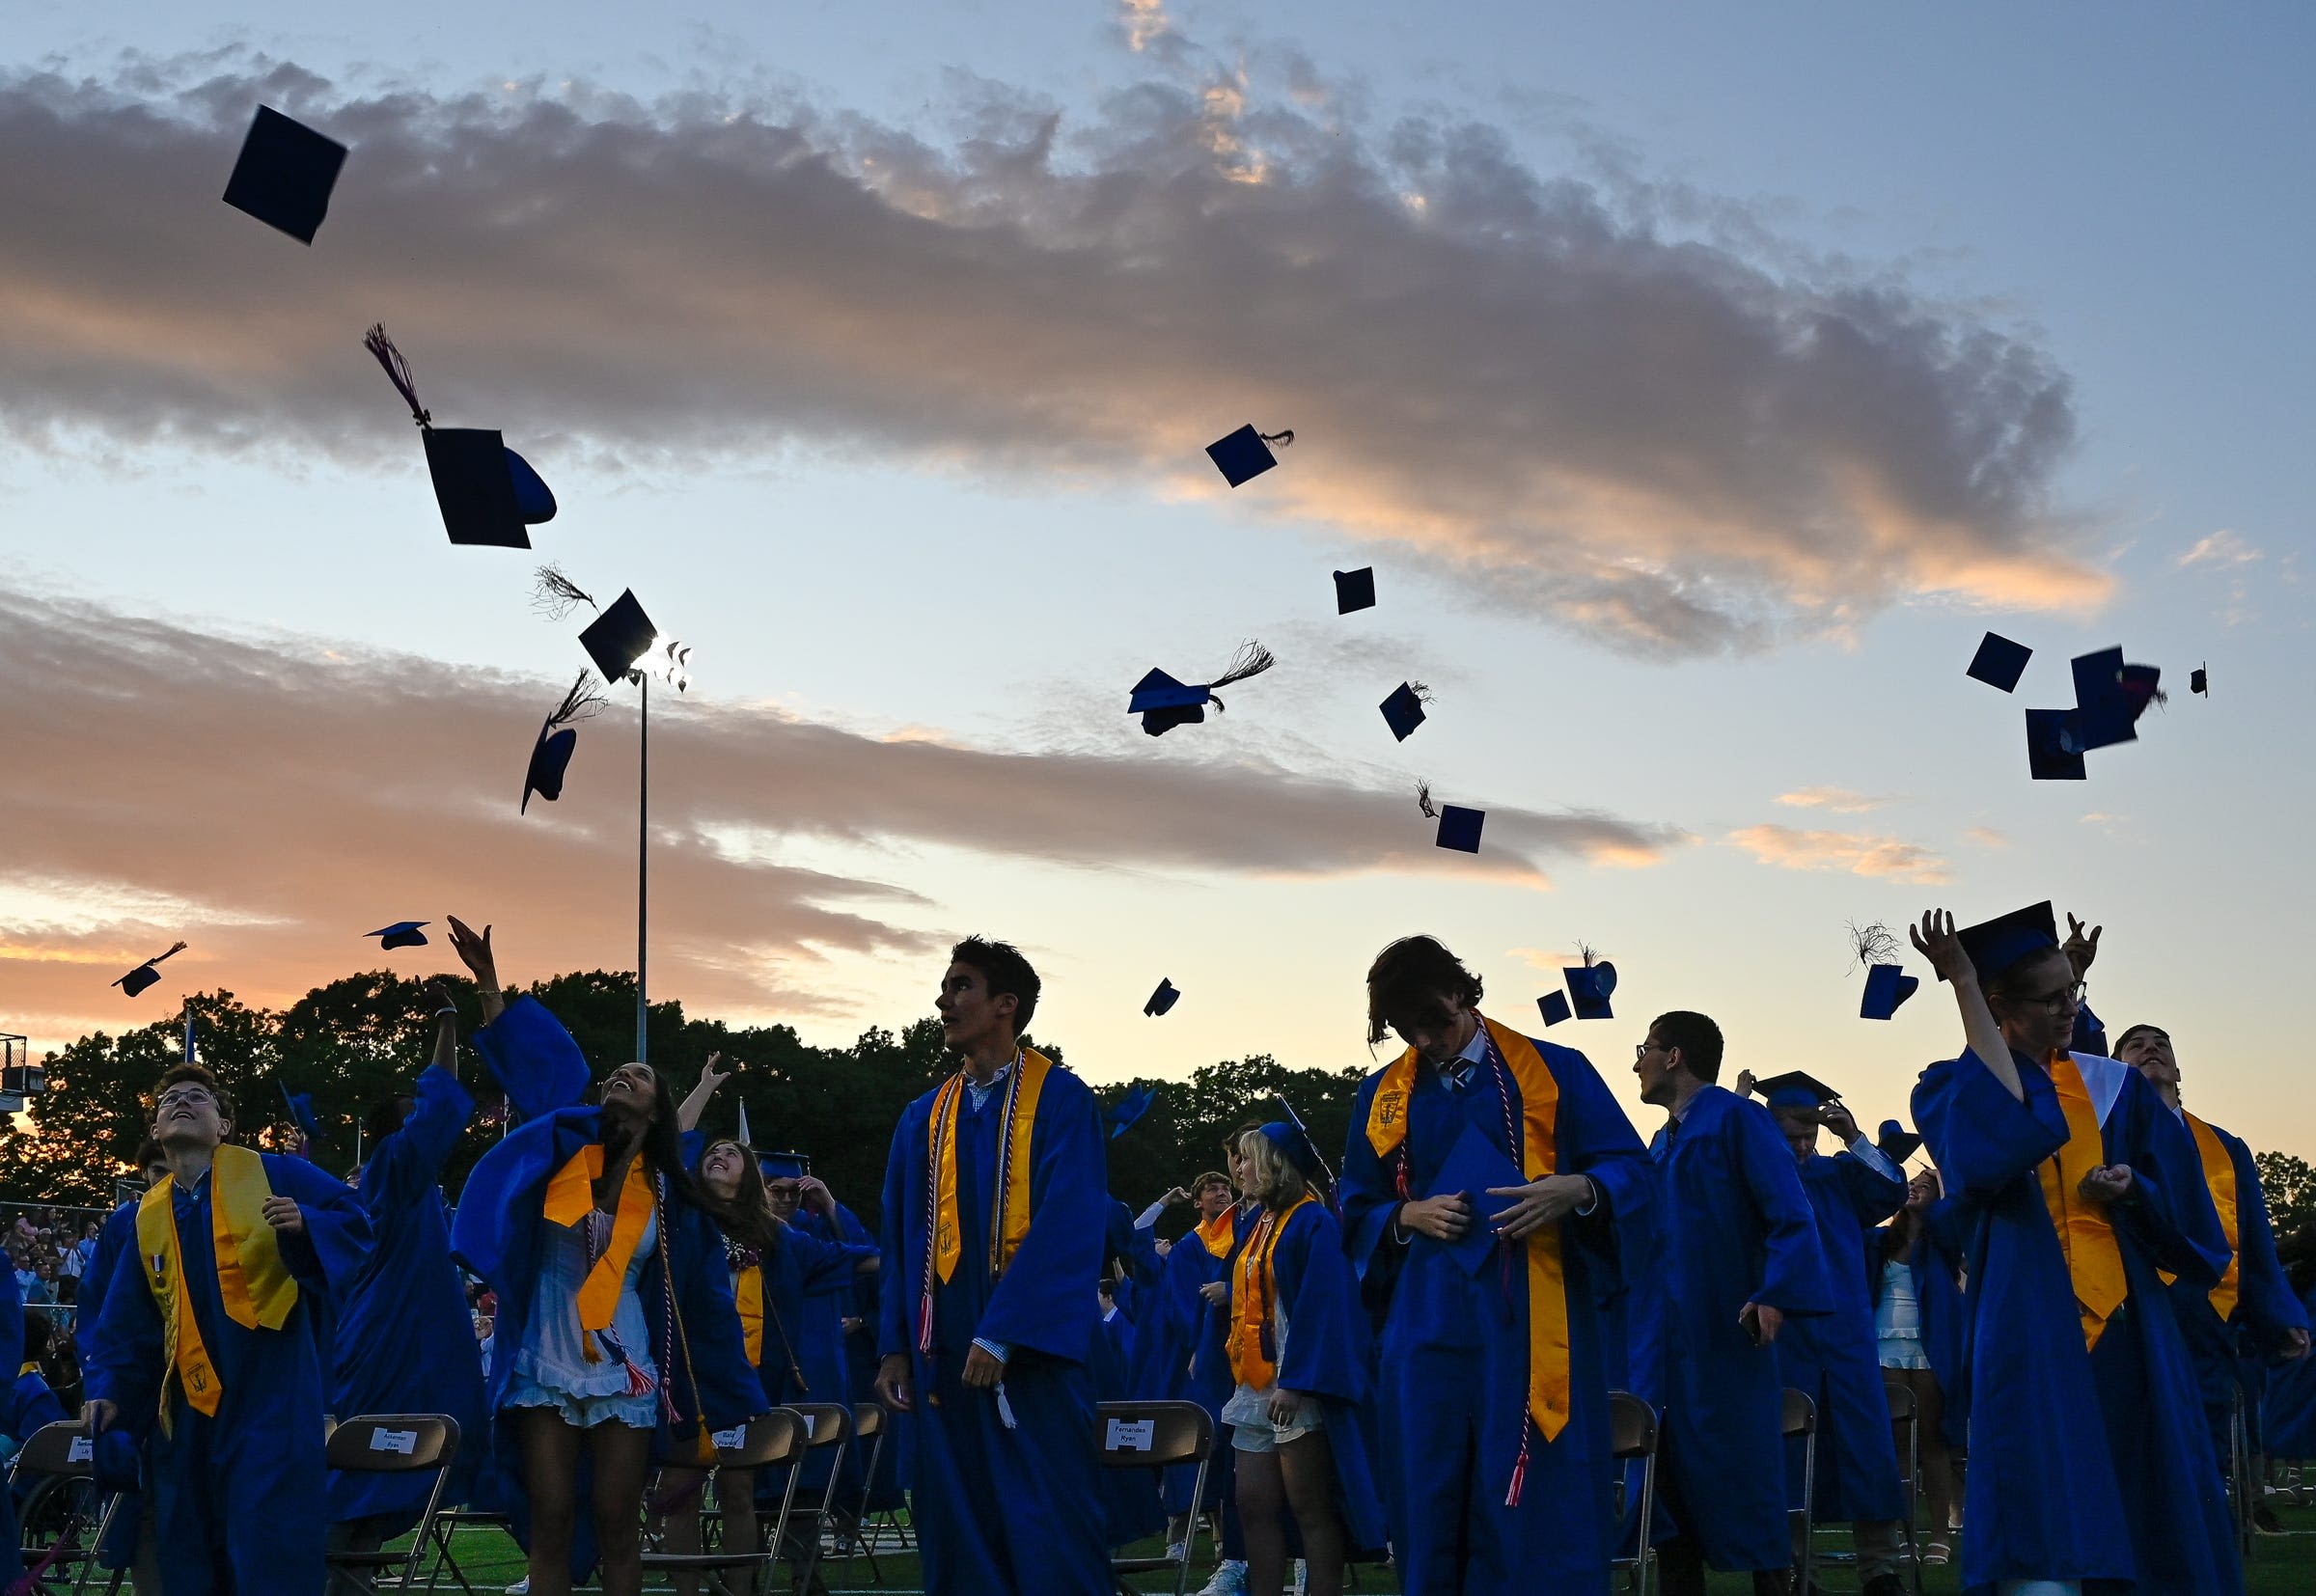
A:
(385, 1116)
(2008, 984)
(746, 1216)
(149, 1153)
(1230, 1143)
(1278, 1183)
(662, 1143)
(1212, 1177)
(2129, 1031)
(1005, 972)
(196, 1075)
(1406, 982)
(1698, 1037)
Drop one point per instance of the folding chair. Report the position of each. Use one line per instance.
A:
(2242, 1491)
(870, 1424)
(447, 1524)
(826, 1425)
(391, 1444)
(1906, 1435)
(1799, 1423)
(59, 1462)
(1632, 1437)
(1156, 1434)
(765, 1442)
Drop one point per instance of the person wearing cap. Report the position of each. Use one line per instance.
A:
(1915, 1273)
(2252, 1309)
(1486, 1181)
(1300, 1355)
(213, 1347)
(1834, 1356)
(2090, 1463)
(1738, 1261)
(995, 1204)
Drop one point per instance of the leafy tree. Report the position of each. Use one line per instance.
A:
(2290, 1186)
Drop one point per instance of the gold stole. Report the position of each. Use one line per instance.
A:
(2086, 1237)
(571, 1198)
(1252, 1297)
(1548, 1376)
(748, 1291)
(1010, 1224)
(253, 1282)
(2220, 1174)
(1218, 1233)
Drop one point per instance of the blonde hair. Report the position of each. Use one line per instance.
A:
(1278, 1183)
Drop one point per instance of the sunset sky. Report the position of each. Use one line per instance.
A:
(1700, 386)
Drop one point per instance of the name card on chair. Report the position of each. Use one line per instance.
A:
(82, 1451)
(731, 1439)
(404, 1442)
(1131, 1435)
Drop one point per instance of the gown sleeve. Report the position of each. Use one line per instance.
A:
(409, 1164)
(1045, 1300)
(1980, 1136)
(2168, 1209)
(331, 1249)
(896, 1289)
(1369, 1200)
(1597, 1139)
(534, 1059)
(1793, 1274)
(126, 1367)
(2263, 1292)
(826, 1265)
(1872, 1195)
(1326, 1350)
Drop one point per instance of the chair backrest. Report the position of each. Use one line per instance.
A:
(64, 1447)
(1632, 1427)
(764, 1441)
(1901, 1401)
(1800, 1414)
(868, 1419)
(392, 1443)
(825, 1424)
(1153, 1435)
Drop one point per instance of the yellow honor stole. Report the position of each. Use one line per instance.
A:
(571, 1198)
(1548, 1377)
(1010, 1219)
(253, 1282)
(1253, 1297)
(1218, 1233)
(2086, 1237)
(2220, 1174)
(748, 1291)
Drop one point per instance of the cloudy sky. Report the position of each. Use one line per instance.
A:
(1700, 390)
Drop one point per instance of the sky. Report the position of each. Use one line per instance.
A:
(1700, 388)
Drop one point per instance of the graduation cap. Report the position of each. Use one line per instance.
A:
(144, 975)
(2000, 662)
(551, 753)
(1796, 1088)
(301, 1111)
(1590, 984)
(784, 1166)
(284, 174)
(402, 933)
(2199, 681)
(1127, 1110)
(1403, 711)
(1996, 945)
(1887, 983)
(1459, 827)
(2054, 746)
(1164, 703)
(1162, 1000)
(1554, 1006)
(2110, 697)
(618, 637)
(1355, 590)
(1896, 1142)
(1304, 1131)
(1475, 1167)
(1246, 454)
(487, 493)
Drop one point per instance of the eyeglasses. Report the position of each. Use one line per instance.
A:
(177, 1097)
(1642, 1049)
(2053, 1002)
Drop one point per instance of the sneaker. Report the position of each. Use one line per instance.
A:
(1229, 1580)
(520, 1588)
(1937, 1555)
(1177, 1551)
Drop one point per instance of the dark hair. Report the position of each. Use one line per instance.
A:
(1230, 1142)
(1698, 1037)
(661, 1144)
(2129, 1031)
(385, 1116)
(149, 1153)
(2003, 984)
(198, 1075)
(1212, 1177)
(746, 1216)
(1406, 982)
(1005, 972)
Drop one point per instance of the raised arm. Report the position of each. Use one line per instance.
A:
(474, 951)
(1935, 940)
(446, 1031)
(687, 1116)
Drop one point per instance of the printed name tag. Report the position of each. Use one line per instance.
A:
(731, 1439)
(1131, 1435)
(83, 1450)
(404, 1442)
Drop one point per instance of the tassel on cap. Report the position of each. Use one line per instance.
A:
(398, 372)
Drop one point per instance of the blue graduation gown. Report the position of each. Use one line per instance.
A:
(2288, 1404)
(405, 1342)
(118, 1235)
(240, 1499)
(1005, 1510)
(1163, 1369)
(1329, 1355)
(807, 1283)
(1453, 1364)
(1936, 1270)
(2043, 1498)
(1835, 1358)
(1734, 1225)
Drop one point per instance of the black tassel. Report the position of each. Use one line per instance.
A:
(1423, 801)
(1282, 438)
(398, 370)
(1422, 691)
(1590, 955)
(556, 596)
(581, 703)
(1874, 944)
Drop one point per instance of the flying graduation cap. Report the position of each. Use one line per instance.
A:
(2054, 746)
(1554, 1006)
(1122, 1115)
(1163, 1000)
(488, 494)
(402, 933)
(144, 975)
(284, 175)
(1590, 985)
(1164, 703)
(1355, 590)
(1887, 983)
(621, 640)
(2000, 662)
(2199, 681)
(1403, 711)
(2110, 697)
(1459, 827)
(558, 739)
(1246, 454)
(1896, 1142)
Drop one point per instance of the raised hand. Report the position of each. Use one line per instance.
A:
(1745, 1082)
(1935, 940)
(474, 951)
(1839, 1120)
(2081, 949)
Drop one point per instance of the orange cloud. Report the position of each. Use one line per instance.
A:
(1841, 850)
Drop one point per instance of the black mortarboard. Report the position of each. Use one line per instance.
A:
(487, 493)
(1554, 1006)
(1896, 1142)
(2054, 746)
(784, 1166)
(144, 975)
(1246, 454)
(551, 754)
(1403, 711)
(2103, 708)
(1164, 703)
(618, 637)
(402, 933)
(285, 174)
(1887, 986)
(2199, 680)
(1796, 1088)
(1355, 590)
(1162, 999)
(2000, 662)
(1996, 945)
(1459, 827)
(1590, 985)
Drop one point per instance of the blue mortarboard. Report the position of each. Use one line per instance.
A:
(301, 1113)
(1459, 827)
(784, 1166)
(1590, 987)
(1886, 988)
(1355, 590)
(1473, 1167)
(1164, 703)
(2054, 746)
(1554, 1006)
(1290, 1140)
(616, 639)
(402, 933)
(1403, 711)
(1127, 1110)
(1896, 1142)
(1246, 454)
(284, 175)
(1996, 945)
(2103, 708)
(2000, 662)
(1796, 1090)
(1163, 1000)
(487, 493)
(2199, 680)
(551, 753)
(144, 975)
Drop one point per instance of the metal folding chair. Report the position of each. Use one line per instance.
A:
(1799, 1422)
(1906, 1434)
(1158, 1436)
(2242, 1491)
(448, 1522)
(870, 1424)
(1633, 1438)
(58, 1464)
(392, 1444)
(826, 1425)
(765, 1442)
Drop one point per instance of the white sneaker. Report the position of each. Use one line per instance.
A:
(1177, 1551)
(520, 1588)
(1229, 1580)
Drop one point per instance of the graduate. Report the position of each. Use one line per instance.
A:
(1919, 1315)
(2252, 1309)
(405, 1341)
(1736, 1260)
(1485, 1179)
(130, 1543)
(995, 1204)
(2090, 1465)
(616, 1329)
(214, 1348)
(1835, 1358)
